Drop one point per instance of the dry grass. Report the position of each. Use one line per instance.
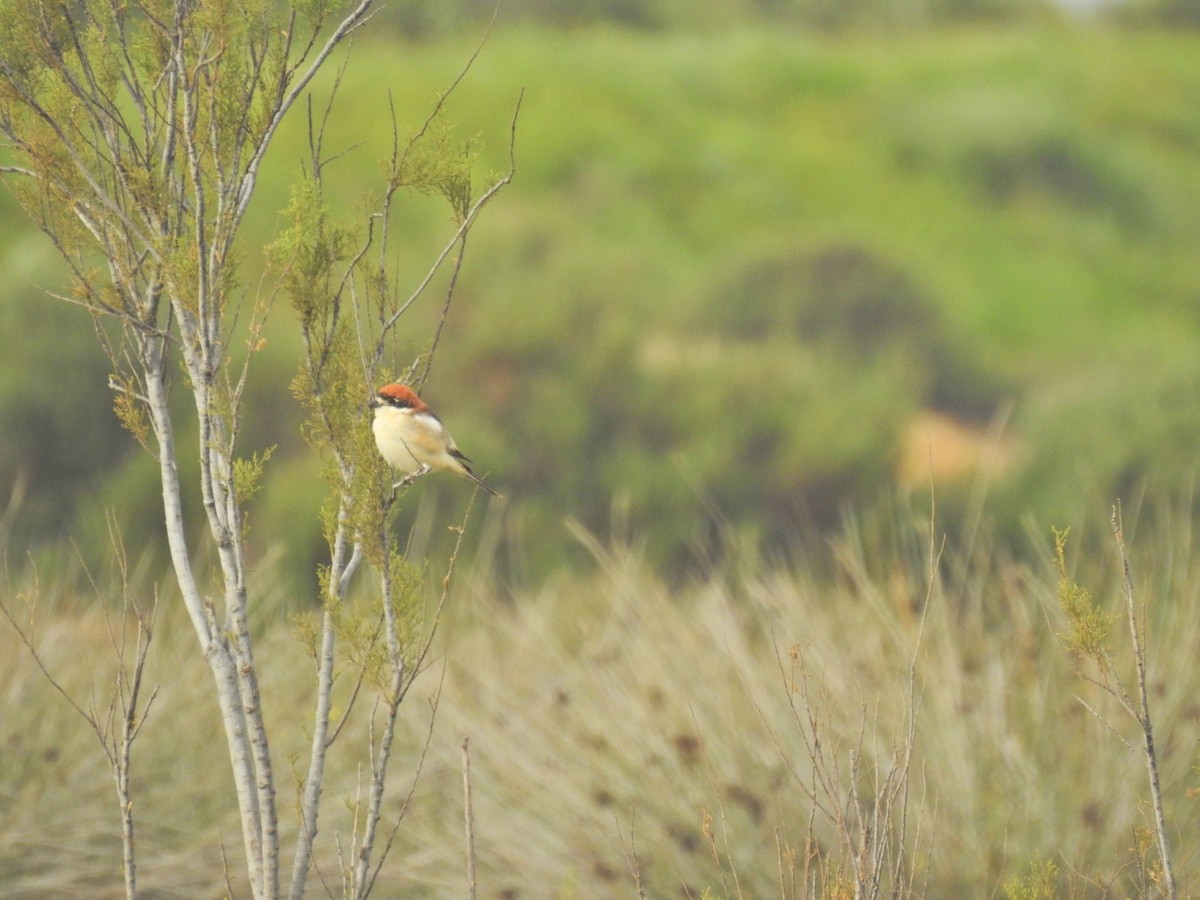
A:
(626, 734)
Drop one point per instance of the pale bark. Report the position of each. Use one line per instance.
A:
(341, 570)
(159, 168)
(1142, 713)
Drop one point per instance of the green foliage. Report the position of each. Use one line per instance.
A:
(902, 295)
(436, 161)
(808, 249)
(129, 411)
(408, 593)
(51, 449)
(361, 627)
(1149, 864)
(1090, 625)
(846, 299)
(308, 254)
(1041, 883)
(1126, 424)
(1157, 13)
(248, 473)
(422, 18)
(313, 255)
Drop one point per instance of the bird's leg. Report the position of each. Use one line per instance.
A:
(413, 476)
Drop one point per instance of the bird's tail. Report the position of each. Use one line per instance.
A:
(479, 481)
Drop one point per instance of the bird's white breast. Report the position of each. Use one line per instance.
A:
(390, 427)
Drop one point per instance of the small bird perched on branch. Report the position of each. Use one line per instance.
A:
(412, 439)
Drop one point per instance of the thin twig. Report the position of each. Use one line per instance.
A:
(1143, 718)
(469, 820)
(630, 854)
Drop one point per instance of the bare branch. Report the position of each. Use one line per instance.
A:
(118, 727)
(469, 820)
(1143, 713)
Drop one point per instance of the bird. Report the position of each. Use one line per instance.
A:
(412, 439)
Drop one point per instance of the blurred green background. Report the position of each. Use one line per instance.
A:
(762, 262)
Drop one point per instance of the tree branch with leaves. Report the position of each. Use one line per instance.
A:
(136, 133)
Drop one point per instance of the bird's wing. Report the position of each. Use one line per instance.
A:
(429, 438)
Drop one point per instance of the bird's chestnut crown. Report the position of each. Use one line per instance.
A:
(400, 396)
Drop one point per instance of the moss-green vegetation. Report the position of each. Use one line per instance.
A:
(1040, 884)
(736, 264)
(1089, 625)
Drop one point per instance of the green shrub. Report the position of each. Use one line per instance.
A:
(1121, 429)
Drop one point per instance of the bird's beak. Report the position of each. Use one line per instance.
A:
(374, 402)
